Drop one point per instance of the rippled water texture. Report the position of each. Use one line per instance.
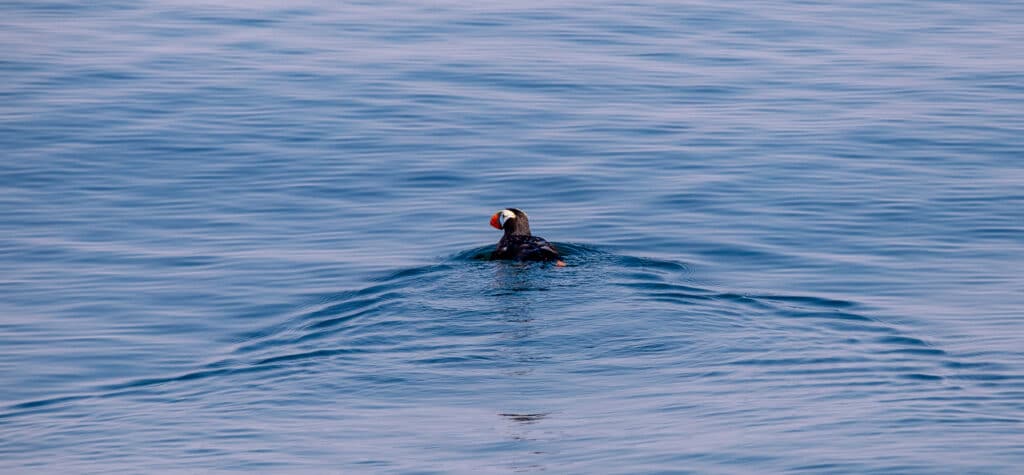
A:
(246, 237)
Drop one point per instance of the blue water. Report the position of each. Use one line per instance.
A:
(244, 238)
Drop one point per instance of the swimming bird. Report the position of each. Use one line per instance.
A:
(518, 243)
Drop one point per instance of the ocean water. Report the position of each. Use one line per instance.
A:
(245, 236)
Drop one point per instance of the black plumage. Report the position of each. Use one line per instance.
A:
(518, 243)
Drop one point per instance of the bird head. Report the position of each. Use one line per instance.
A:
(512, 221)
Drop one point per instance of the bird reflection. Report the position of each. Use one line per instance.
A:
(525, 418)
(518, 287)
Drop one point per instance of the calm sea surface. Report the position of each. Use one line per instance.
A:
(244, 237)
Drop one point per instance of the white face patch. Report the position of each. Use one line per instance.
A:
(505, 216)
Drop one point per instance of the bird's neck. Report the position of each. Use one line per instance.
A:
(518, 229)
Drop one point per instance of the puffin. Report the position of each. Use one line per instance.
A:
(517, 243)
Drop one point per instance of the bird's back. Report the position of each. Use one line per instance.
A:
(525, 248)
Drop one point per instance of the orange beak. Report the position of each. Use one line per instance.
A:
(494, 221)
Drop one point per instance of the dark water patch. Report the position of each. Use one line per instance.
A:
(988, 365)
(921, 377)
(1018, 380)
(22, 407)
(916, 351)
(834, 315)
(808, 300)
(800, 361)
(460, 361)
(902, 341)
(317, 354)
